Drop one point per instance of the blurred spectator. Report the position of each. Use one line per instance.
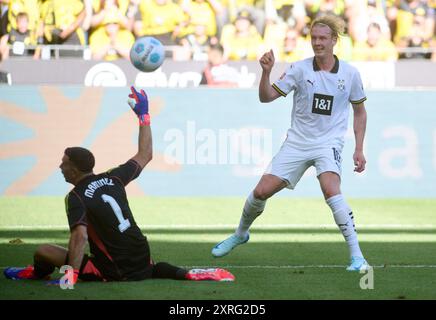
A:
(18, 39)
(344, 47)
(286, 42)
(162, 19)
(391, 11)
(62, 20)
(315, 8)
(191, 26)
(111, 23)
(31, 7)
(375, 48)
(200, 31)
(217, 73)
(275, 33)
(411, 46)
(282, 15)
(196, 44)
(5, 77)
(295, 47)
(221, 14)
(362, 13)
(256, 9)
(403, 16)
(201, 12)
(122, 12)
(291, 12)
(4, 4)
(241, 40)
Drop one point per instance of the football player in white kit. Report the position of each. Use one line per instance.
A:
(323, 88)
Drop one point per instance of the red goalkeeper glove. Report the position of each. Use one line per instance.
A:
(138, 101)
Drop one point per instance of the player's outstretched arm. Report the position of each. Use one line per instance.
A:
(359, 133)
(138, 101)
(266, 92)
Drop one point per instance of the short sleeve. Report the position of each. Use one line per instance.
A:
(76, 211)
(287, 81)
(126, 172)
(357, 94)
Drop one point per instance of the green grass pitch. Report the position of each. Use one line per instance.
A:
(295, 250)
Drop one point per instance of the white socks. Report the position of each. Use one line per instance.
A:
(252, 209)
(341, 212)
(345, 221)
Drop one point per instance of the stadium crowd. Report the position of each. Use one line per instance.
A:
(377, 30)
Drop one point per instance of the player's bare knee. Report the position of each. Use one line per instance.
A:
(42, 252)
(261, 194)
(330, 193)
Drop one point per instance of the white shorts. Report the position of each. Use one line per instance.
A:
(289, 164)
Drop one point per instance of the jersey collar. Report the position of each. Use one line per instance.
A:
(335, 68)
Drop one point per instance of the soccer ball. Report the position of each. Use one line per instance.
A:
(147, 54)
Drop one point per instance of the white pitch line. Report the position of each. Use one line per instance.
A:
(230, 226)
(322, 266)
(422, 266)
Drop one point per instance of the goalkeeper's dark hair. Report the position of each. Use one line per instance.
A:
(82, 158)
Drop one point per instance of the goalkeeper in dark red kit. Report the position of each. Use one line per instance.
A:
(99, 214)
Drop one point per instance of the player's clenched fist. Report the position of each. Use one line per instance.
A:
(267, 61)
(138, 101)
(359, 161)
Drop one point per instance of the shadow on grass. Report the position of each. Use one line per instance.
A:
(54, 233)
(254, 253)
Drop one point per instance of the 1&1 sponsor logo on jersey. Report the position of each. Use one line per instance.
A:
(322, 104)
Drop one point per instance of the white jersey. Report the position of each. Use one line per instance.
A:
(321, 102)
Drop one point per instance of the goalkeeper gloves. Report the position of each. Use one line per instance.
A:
(138, 101)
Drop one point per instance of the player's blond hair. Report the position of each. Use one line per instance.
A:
(336, 24)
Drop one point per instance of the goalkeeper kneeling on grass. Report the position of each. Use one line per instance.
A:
(98, 213)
